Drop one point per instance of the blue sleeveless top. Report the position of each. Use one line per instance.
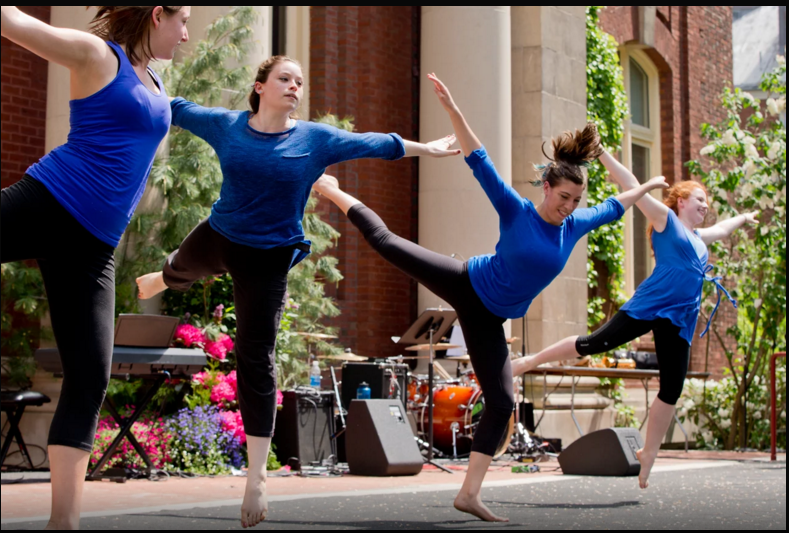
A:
(99, 175)
(674, 290)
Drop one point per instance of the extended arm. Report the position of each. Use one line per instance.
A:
(629, 198)
(655, 210)
(468, 141)
(74, 49)
(724, 229)
(439, 148)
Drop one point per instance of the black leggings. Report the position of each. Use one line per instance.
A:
(79, 278)
(260, 284)
(673, 352)
(448, 279)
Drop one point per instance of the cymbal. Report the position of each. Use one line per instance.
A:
(349, 357)
(426, 347)
(322, 336)
(408, 357)
(513, 339)
(461, 359)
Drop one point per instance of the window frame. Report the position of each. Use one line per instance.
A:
(649, 138)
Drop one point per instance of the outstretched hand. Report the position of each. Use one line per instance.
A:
(658, 182)
(443, 93)
(750, 218)
(440, 147)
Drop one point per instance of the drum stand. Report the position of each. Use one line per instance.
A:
(522, 441)
(431, 322)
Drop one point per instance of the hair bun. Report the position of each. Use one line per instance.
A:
(579, 148)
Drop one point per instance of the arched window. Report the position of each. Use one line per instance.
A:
(641, 154)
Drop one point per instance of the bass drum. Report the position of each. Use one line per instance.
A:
(464, 406)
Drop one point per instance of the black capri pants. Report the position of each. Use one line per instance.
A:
(79, 279)
(673, 352)
(260, 284)
(448, 279)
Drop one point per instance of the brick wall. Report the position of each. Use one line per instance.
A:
(24, 106)
(364, 63)
(693, 53)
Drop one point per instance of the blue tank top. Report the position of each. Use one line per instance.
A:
(99, 175)
(674, 290)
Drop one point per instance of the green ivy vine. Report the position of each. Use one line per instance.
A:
(606, 107)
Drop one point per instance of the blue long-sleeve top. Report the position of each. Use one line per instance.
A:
(267, 177)
(530, 252)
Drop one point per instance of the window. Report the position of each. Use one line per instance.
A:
(641, 154)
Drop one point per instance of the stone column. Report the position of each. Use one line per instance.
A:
(548, 98)
(469, 49)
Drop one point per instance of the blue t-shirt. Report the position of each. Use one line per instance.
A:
(674, 289)
(268, 176)
(530, 252)
(99, 175)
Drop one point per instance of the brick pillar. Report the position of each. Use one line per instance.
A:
(362, 63)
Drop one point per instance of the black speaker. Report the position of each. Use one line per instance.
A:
(380, 441)
(304, 426)
(379, 377)
(609, 452)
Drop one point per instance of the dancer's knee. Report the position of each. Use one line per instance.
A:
(670, 391)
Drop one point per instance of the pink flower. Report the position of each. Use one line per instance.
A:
(218, 311)
(218, 349)
(201, 377)
(280, 397)
(231, 421)
(232, 380)
(223, 393)
(189, 335)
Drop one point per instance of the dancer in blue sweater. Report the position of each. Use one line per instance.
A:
(534, 246)
(269, 163)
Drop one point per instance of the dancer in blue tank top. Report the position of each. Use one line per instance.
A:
(667, 303)
(533, 248)
(70, 209)
(269, 162)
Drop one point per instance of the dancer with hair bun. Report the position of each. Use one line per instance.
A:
(535, 244)
(269, 163)
(667, 303)
(80, 197)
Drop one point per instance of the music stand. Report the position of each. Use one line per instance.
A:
(433, 322)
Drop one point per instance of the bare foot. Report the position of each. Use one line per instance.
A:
(326, 183)
(474, 506)
(254, 508)
(150, 285)
(523, 365)
(647, 462)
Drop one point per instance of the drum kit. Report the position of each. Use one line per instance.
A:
(458, 402)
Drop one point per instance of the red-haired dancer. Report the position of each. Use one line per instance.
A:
(667, 303)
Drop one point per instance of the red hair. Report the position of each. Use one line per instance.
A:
(683, 190)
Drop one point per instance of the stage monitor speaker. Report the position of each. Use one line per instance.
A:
(609, 452)
(304, 427)
(379, 440)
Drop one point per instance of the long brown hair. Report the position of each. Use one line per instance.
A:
(571, 151)
(129, 25)
(683, 190)
(264, 70)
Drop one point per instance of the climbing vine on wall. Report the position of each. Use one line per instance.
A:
(606, 107)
